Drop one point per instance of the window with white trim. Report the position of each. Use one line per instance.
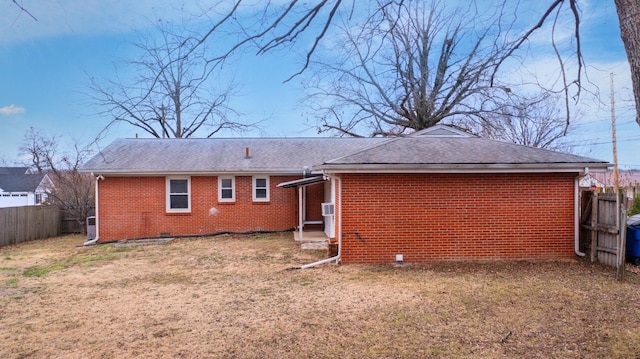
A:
(226, 189)
(178, 194)
(260, 188)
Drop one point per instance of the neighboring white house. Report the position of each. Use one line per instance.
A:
(19, 188)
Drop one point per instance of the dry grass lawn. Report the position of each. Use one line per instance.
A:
(232, 297)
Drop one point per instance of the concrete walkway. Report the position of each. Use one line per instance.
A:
(311, 239)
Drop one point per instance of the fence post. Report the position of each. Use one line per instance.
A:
(594, 226)
(621, 239)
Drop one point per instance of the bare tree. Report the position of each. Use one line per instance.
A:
(73, 192)
(38, 149)
(416, 65)
(284, 25)
(536, 122)
(174, 94)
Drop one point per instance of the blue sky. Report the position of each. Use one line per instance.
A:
(45, 66)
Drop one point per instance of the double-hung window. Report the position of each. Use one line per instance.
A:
(260, 188)
(178, 194)
(226, 189)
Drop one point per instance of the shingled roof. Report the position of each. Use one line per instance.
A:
(13, 170)
(456, 152)
(227, 155)
(20, 182)
(439, 148)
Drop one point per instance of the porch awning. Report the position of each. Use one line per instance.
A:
(301, 182)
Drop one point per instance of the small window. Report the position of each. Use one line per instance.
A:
(226, 189)
(38, 198)
(178, 194)
(261, 189)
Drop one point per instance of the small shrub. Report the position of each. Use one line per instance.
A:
(635, 206)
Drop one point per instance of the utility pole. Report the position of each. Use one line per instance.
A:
(620, 240)
(616, 174)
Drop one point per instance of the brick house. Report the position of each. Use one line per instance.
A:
(439, 194)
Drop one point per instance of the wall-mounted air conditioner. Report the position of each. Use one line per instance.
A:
(328, 209)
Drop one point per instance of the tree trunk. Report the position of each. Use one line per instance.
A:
(629, 17)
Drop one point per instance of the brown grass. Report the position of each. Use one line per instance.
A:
(232, 297)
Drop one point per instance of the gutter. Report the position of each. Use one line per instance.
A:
(461, 167)
(222, 172)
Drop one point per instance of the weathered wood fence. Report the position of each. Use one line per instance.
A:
(603, 229)
(21, 224)
(71, 224)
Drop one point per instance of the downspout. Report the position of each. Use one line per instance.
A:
(338, 214)
(94, 240)
(302, 204)
(576, 213)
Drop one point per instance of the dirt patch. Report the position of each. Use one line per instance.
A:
(232, 297)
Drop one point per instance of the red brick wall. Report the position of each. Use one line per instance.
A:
(314, 199)
(457, 217)
(135, 207)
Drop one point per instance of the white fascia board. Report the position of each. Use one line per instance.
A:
(458, 168)
(229, 172)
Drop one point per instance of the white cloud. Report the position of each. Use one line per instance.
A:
(11, 110)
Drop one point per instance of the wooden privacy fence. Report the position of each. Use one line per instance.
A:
(603, 229)
(21, 224)
(71, 224)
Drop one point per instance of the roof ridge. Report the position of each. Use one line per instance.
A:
(452, 132)
(455, 133)
(249, 138)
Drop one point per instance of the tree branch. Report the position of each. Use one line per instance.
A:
(24, 10)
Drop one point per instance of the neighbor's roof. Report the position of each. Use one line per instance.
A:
(630, 178)
(20, 182)
(13, 170)
(439, 148)
(225, 155)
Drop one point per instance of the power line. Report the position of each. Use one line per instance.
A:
(580, 144)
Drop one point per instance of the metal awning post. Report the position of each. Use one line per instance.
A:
(300, 210)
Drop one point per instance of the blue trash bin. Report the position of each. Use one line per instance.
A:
(633, 244)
